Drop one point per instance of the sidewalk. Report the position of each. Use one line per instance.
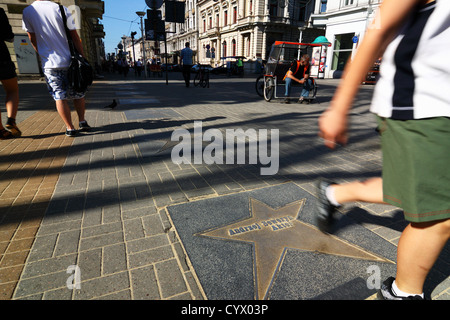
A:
(101, 204)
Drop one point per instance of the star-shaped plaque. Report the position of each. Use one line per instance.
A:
(273, 231)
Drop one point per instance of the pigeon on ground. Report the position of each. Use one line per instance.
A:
(112, 105)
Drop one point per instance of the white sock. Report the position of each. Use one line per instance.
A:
(400, 293)
(329, 192)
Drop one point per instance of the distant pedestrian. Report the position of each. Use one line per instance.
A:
(412, 105)
(8, 78)
(186, 61)
(44, 24)
(139, 67)
(125, 67)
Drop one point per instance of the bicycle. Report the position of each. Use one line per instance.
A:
(202, 77)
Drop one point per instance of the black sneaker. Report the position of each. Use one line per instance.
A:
(286, 100)
(71, 133)
(324, 209)
(84, 126)
(386, 293)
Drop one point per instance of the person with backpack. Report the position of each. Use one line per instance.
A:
(43, 22)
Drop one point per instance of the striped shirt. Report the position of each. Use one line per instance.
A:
(415, 73)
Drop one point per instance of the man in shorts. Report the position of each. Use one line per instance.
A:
(43, 22)
(411, 102)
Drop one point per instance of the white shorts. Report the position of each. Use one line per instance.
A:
(58, 87)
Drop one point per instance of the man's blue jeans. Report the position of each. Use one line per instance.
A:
(307, 86)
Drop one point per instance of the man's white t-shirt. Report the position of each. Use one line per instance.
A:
(43, 18)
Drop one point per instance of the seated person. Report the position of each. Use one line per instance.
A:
(299, 71)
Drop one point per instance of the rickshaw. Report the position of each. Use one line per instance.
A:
(280, 58)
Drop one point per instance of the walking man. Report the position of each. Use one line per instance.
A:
(186, 61)
(411, 103)
(44, 24)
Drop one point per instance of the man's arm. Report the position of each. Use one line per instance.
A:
(290, 74)
(32, 37)
(392, 13)
(77, 41)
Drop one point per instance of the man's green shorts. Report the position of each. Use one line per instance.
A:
(416, 166)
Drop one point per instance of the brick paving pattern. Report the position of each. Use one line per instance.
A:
(98, 202)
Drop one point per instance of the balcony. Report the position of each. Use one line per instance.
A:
(98, 31)
(92, 8)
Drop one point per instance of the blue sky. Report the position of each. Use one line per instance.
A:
(120, 19)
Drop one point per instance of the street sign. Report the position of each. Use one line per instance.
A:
(175, 11)
(154, 4)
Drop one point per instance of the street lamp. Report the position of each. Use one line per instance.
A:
(141, 14)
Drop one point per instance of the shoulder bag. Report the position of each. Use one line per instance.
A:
(80, 73)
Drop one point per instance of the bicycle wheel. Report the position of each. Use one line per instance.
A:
(269, 88)
(314, 88)
(259, 86)
(197, 78)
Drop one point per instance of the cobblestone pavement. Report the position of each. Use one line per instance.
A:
(94, 208)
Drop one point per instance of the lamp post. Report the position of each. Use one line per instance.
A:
(134, 53)
(141, 14)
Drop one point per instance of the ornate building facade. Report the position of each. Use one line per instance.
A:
(223, 28)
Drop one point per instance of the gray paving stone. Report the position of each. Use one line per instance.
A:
(114, 259)
(170, 278)
(103, 286)
(144, 283)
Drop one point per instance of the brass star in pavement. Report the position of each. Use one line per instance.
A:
(273, 231)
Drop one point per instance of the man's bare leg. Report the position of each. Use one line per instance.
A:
(370, 190)
(418, 249)
(62, 106)
(80, 107)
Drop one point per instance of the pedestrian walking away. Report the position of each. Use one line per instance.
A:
(299, 71)
(186, 61)
(43, 22)
(8, 78)
(412, 107)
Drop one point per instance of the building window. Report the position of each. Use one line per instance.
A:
(217, 20)
(234, 14)
(323, 6)
(224, 48)
(210, 22)
(233, 43)
(273, 8)
(302, 10)
(225, 17)
(204, 25)
(342, 51)
(348, 2)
